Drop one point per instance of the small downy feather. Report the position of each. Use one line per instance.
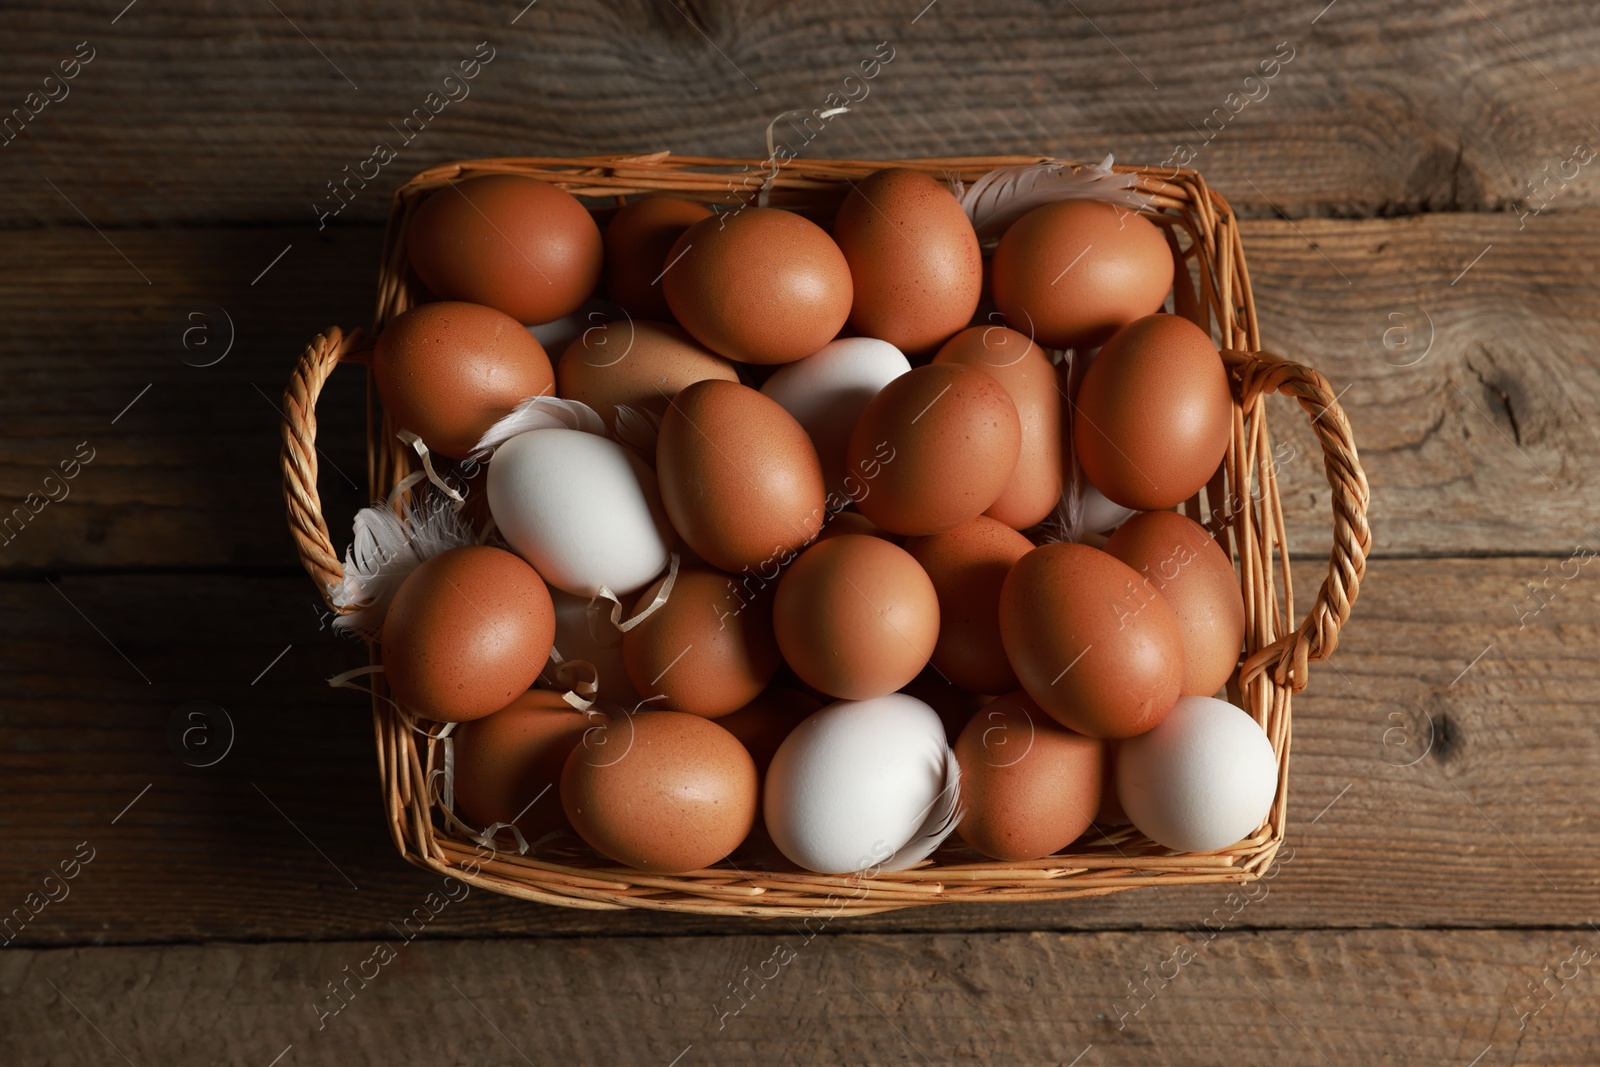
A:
(637, 428)
(538, 413)
(386, 548)
(943, 815)
(1005, 194)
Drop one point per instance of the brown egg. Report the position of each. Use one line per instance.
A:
(1155, 414)
(914, 259)
(518, 244)
(708, 650)
(1193, 574)
(758, 286)
(467, 632)
(661, 791)
(1030, 787)
(508, 765)
(739, 478)
(637, 242)
(449, 371)
(1091, 642)
(1025, 371)
(968, 564)
(856, 617)
(934, 449)
(1071, 273)
(641, 364)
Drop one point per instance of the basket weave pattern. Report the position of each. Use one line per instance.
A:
(1241, 506)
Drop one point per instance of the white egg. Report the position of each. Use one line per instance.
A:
(582, 509)
(1201, 780)
(828, 390)
(576, 640)
(857, 781)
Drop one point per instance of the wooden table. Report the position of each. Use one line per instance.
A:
(1422, 225)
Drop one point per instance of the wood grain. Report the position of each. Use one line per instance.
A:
(1459, 394)
(205, 113)
(1439, 772)
(1341, 997)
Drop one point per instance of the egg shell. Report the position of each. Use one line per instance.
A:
(467, 632)
(661, 791)
(598, 644)
(914, 261)
(1154, 414)
(1193, 574)
(582, 509)
(640, 364)
(1071, 273)
(827, 391)
(758, 285)
(739, 477)
(967, 565)
(449, 371)
(514, 243)
(637, 241)
(1030, 787)
(1202, 780)
(1025, 371)
(1091, 642)
(855, 782)
(506, 762)
(762, 724)
(934, 449)
(708, 650)
(856, 617)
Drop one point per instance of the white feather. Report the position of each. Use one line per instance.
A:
(386, 548)
(943, 815)
(637, 428)
(1005, 194)
(539, 413)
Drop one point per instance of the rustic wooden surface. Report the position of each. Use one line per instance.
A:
(1405, 236)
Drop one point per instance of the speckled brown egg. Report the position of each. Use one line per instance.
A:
(1093, 645)
(514, 243)
(967, 565)
(508, 764)
(1154, 414)
(758, 286)
(467, 632)
(1071, 273)
(1193, 574)
(661, 791)
(708, 650)
(914, 260)
(1030, 786)
(853, 522)
(637, 241)
(856, 617)
(448, 371)
(640, 364)
(1026, 373)
(739, 478)
(935, 448)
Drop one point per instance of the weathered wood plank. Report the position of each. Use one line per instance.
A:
(1490, 824)
(1181, 997)
(206, 113)
(1460, 394)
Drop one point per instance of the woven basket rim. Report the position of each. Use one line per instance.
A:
(1242, 500)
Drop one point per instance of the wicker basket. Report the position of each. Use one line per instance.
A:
(1241, 505)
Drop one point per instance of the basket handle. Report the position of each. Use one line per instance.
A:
(299, 458)
(1318, 634)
